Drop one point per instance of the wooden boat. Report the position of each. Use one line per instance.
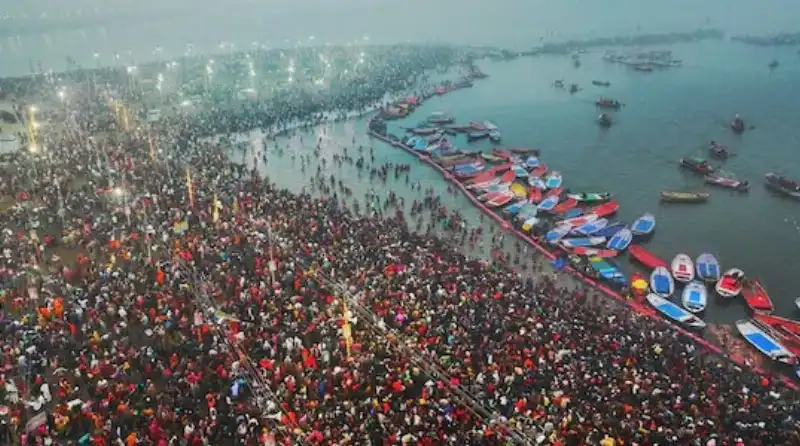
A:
(708, 268)
(727, 182)
(608, 103)
(537, 183)
(675, 312)
(605, 209)
(718, 150)
(786, 331)
(697, 165)
(553, 180)
(530, 224)
(519, 171)
(501, 153)
(639, 285)
(572, 213)
(500, 200)
(730, 284)
(759, 337)
(611, 229)
(645, 257)
(694, 297)
(661, 282)
(495, 136)
(491, 158)
(527, 211)
(644, 225)
(591, 197)
(534, 195)
(579, 221)
(620, 240)
(554, 192)
(423, 130)
(591, 227)
(513, 208)
(548, 203)
(564, 206)
(489, 196)
(539, 171)
(684, 197)
(557, 233)
(682, 268)
(599, 252)
(532, 162)
(606, 270)
(524, 151)
(756, 296)
(519, 190)
(782, 185)
(484, 177)
(583, 241)
(477, 135)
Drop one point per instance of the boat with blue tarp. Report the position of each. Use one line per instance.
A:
(759, 336)
(644, 225)
(620, 240)
(661, 282)
(675, 312)
(607, 271)
(708, 267)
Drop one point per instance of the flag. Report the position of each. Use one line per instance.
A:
(152, 150)
(215, 211)
(189, 187)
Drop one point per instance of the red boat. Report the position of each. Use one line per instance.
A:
(645, 257)
(500, 200)
(507, 177)
(786, 330)
(489, 196)
(756, 296)
(565, 205)
(484, 177)
(588, 251)
(554, 192)
(699, 165)
(539, 171)
(729, 183)
(605, 209)
(535, 195)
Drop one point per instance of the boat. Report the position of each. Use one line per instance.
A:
(478, 135)
(572, 213)
(527, 211)
(440, 118)
(591, 227)
(539, 171)
(611, 229)
(661, 282)
(500, 200)
(797, 303)
(758, 337)
(513, 208)
(718, 150)
(423, 131)
(534, 195)
(530, 223)
(608, 103)
(675, 312)
(495, 136)
(582, 241)
(645, 257)
(727, 182)
(488, 196)
(730, 284)
(694, 297)
(553, 181)
(644, 225)
(786, 331)
(639, 285)
(604, 120)
(620, 240)
(697, 164)
(519, 171)
(682, 268)
(548, 203)
(599, 252)
(554, 192)
(467, 173)
(737, 124)
(564, 206)
(524, 151)
(557, 233)
(536, 182)
(606, 270)
(591, 197)
(532, 162)
(684, 197)
(643, 68)
(491, 158)
(519, 190)
(601, 83)
(782, 185)
(605, 209)
(707, 267)
(756, 296)
(580, 220)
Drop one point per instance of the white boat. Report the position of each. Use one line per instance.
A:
(557, 233)
(591, 227)
(620, 240)
(675, 312)
(537, 183)
(553, 180)
(682, 268)
(661, 282)
(694, 296)
(579, 220)
(707, 267)
(730, 284)
(797, 303)
(764, 342)
(584, 241)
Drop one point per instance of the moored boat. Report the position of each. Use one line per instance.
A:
(572, 213)
(645, 257)
(718, 150)
(527, 211)
(557, 233)
(694, 297)
(591, 227)
(478, 135)
(500, 200)
(539, 171)
(519, 171)
(536, 182)
(548, 203)
(440, 118)
(727, 182)
(532, 162)
(684, 197)
(491, 158)
(756, 296)
(565, 205)
(581, 220)
(608, 103)
(599, 252)
(513, 208)
(605, 209)
(675, 312)
(519, 190)
(591, 197)
(782, 185)
(682, 268)
(530, 223)
(661, 282)
(707, 267)
(534, 195)
(644, 225)
(620, 240)
(754, 333)
(604, 120)
(639, 285)
(554, 192)
(582, 241)
(737, 124)
(786, 331)
(611, 229)
(697, 164)
(730, 284)
(488, 196)
(495, 136)
(607, 270)
(553, 180)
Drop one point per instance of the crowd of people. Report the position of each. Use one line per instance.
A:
(157, 293)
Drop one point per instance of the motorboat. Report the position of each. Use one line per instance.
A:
(718, 150)
(782, 185)
(694, 297)
(684, 197)
(707, 267)
(675, 312)
(697, 164)
(604, 120)
(737, 124)
(611, 229)
(554, 180)
(591, 197)
(730, 284)
(608, 103)
(583, 241)
(661, 282)
(682, 268)
(727, 181)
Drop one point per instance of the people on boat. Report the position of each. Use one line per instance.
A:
(737, 125)
(604, 120)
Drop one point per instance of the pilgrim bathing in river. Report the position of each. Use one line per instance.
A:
(155, 292)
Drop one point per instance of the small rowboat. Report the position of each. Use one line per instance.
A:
(557, 233)
(530, 223)
(758, 336)
(646, 257)
(532, 162)
(620, 240)
(513, 208)
(537, 182)
(491, 158)
(554, 180)
(786, 331)
(584, 241)
(661, 282)
(564, 206)
(591, 227)
(708, 268)
(519, 171)
(579, 221)
(597, 252)
(606, 209)
(527, 211)
(730, 284)
(727, 182)
(572, 213)
(682, 268)
(697, 165)
(611, 229)
(519, 190)
(548, 203)
(684, 197)
(500, 200)
(591, 197)
(535, 195)
(644, 225)
(489, 196)
(695, 297)
(675, 312)
(539, 171)
(554, 192)
(606, 270)
(756, 296)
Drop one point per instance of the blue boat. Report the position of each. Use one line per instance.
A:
(764, 342)
(708, 268)
(557, 233)
(477, 135)
(527, 211)
(553, 180)
(607, 270)
(611, 229)
(644, 225)
(591, 227)
(675, 312)
(519, 171)
(572, 213)
(513, 208)
(661, 282)
(532, 162)
(621, 240)
(584, 241)
(548, 203)
(537, 183)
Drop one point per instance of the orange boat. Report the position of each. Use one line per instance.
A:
(786, 330)
(535, 195)
(565, 206)
(645, 257)
(605, 209)
(756, 296)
